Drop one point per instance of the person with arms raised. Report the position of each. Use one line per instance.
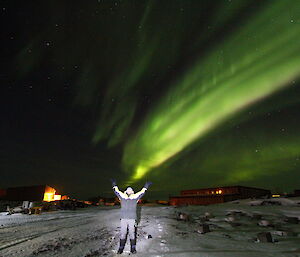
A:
(129, 201)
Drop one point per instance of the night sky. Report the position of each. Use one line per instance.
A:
(184, 93)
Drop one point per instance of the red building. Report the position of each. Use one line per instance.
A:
(297, 192)
(213, 195)
(2, 193)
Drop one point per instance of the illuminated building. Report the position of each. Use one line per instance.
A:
(32, 193)
(205, 196)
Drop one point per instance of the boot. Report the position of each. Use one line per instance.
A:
(122, 245)
(132, 245)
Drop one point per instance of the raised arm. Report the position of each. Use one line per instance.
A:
(117, 192)
(140, 194)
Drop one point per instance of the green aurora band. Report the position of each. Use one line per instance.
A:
(254, 154)
(257, 60)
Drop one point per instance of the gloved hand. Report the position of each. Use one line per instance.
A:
(113, 182)
(147, 184)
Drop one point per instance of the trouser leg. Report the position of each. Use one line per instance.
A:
(124, 225)
(133, 245)
(122, 245)
(123, 235)
(131, 228)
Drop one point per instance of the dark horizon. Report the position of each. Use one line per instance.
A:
(157, 195)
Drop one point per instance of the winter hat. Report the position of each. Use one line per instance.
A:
(129, 189)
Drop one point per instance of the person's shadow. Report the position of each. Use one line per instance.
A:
(138, 218)
(138, 214)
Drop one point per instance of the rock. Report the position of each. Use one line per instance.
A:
(203, 219)
(208, 215)
(265, 223)
(280, 233)
(230, 218)
(292, 220)
(285, 232)
(183, 216)
(203, 228)
(264, 237)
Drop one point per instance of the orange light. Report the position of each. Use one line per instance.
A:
(275, 195)
(49, 194)
(220, 191)
(48, 197)
(57, 197)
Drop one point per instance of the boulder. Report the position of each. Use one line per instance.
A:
(230, 219)
(292, 220)
(280, 233)
(265, 223)
(208, 215)
(264, 237)
(183, 216)
(203, 219)
(203, 228)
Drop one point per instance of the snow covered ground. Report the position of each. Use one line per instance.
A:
(94, 231)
